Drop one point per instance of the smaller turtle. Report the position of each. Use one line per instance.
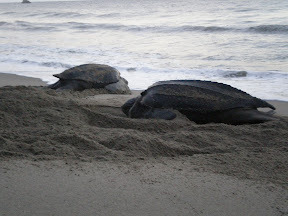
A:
(200, 101)
(91, 76)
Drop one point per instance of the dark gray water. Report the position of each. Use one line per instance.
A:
(241, 43)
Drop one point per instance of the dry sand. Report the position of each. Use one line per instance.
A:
(65, 153)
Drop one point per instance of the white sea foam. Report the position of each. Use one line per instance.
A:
(243, 44)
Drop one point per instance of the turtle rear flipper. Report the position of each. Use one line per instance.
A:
(245, 116)
(162, 114)
(119, 87)
(139, 110)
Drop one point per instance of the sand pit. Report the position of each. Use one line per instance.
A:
(43, 130)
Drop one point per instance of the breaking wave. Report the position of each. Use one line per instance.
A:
(28, 26)
(36, 63)
(58, 15)
(33, 26)
(67, 14)
(269, 29)
(3, 23)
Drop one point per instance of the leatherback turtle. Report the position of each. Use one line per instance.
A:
(201, 101)
(91, 76)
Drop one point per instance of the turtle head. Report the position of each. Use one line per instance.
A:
(127, 106)
(57, 75)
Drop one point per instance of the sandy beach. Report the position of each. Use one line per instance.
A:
(76, 153)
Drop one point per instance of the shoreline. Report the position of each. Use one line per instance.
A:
(7, 79)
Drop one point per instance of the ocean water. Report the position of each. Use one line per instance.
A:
(241, 43)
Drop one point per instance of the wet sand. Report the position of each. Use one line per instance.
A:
(14, 80)
(78, 154)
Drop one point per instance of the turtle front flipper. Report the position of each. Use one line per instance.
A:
(151, 113)
(55, 85)
(75, 85)
(139, 110)
(162, 114)
(127, 106)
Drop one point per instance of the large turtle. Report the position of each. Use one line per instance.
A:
(201, 101)
(91, 76)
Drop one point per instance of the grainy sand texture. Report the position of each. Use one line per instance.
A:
(76, 153)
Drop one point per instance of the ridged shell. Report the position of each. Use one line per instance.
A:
(199, 96)
(94, 73)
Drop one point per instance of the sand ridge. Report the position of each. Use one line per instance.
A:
(39, 123)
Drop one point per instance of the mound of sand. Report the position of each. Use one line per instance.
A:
(38, 123)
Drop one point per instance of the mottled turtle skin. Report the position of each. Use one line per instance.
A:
(201, 102)
(91, 76)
